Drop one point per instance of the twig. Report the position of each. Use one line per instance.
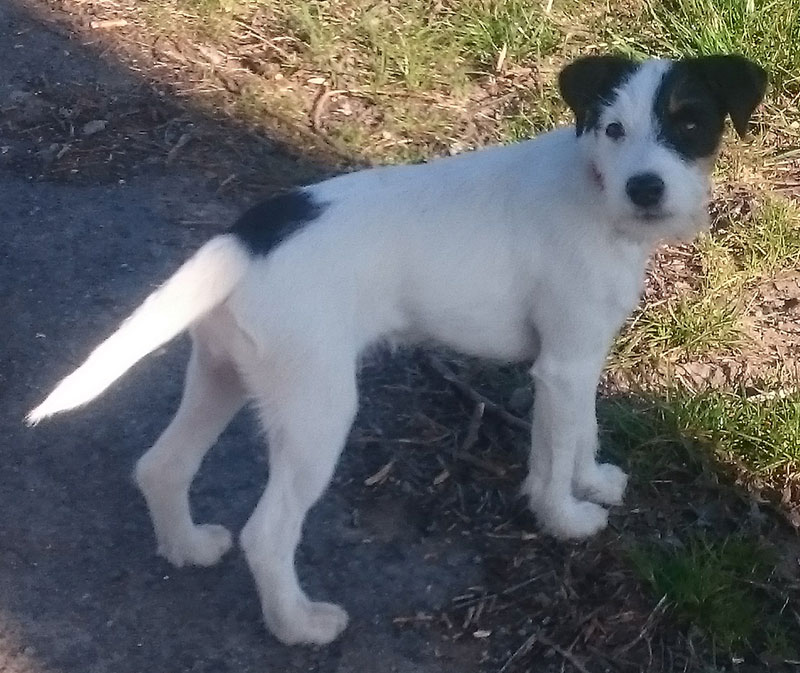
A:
(566, 654)
(225, 183)
(474, 428)
(472, 437)
(471, 600)
(310, 134)
(380, 476)
(318, 108)
(177, 147)
(264, 39)
(522, 649)
(473, 395)
(108, 23)
(501, 58)
(660, 606)
(482, 464)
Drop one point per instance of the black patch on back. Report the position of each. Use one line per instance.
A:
(696, 94)
(590, 83)
(269, 223)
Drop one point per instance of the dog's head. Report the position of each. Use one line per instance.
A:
(652, 131)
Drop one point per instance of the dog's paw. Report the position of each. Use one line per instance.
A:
(309, 624)
(574, 519)
(603, 484)
(204, 547)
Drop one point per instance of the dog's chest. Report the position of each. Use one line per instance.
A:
(591, 284)
(618, 288)
(621, 296)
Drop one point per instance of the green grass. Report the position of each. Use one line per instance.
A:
(679, 329)
(417, 67)
(382, 43)
(532, 114)
(416, 43)
(714, 585)
(394, 50)
(757, 245)
(765, 30)
(759, 432)
(487, 27)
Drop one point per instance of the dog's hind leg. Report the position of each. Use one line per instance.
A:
(213, 393)
(307, 411)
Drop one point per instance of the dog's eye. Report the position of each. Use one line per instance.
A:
(615, 131)
(688, 125)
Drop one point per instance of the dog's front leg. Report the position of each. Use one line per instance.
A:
(563, 421)
(602, 483)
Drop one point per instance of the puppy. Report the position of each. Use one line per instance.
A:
(531, 252)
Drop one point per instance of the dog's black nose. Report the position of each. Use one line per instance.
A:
(645, 189)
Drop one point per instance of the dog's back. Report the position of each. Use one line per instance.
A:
(447, 251)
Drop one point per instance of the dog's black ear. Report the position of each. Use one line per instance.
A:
(736, 83)
(591, 80)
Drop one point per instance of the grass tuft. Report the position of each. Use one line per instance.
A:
(759, 244)
(757, 433)
(760, 430)
(765, 30)
(713, 585)
(517, 27)
(687, 326)
(744, 250)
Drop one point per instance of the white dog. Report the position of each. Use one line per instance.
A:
(531, 252)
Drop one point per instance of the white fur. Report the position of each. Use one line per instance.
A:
(526, 252)
(198, 286)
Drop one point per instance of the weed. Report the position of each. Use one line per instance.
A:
(713, 584)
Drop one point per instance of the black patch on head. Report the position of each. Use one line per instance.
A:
(267, 224)
(590, 83)
(695, 96)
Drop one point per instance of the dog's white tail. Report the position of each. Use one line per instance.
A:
(202, 283)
